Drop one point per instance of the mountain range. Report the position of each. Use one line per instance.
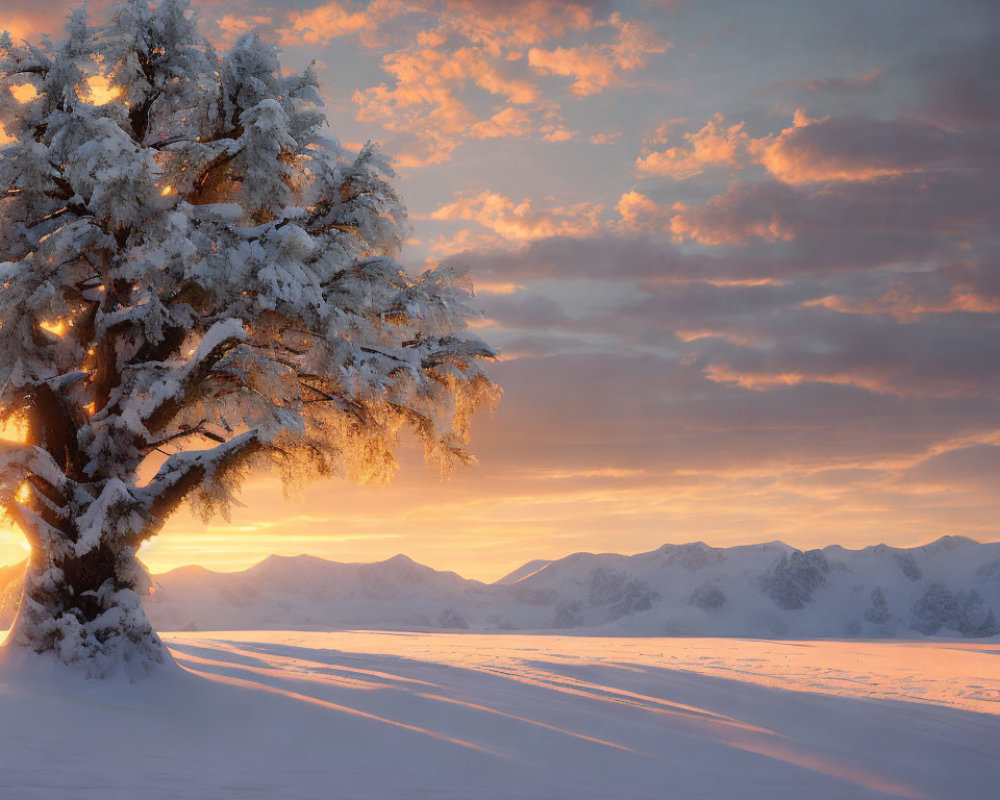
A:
(949, 587)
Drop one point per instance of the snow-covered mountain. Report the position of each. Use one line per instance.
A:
(949, 587)
(282, 592)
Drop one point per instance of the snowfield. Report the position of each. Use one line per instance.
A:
(369, 715)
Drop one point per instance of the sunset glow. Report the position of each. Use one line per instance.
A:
(99, 91)
(742, 274)
(24, 92)
(58, 327)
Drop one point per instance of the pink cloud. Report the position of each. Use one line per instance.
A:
(235, 25)
(852, 149)
(734, 217)
(906, 307)
(594, 67)
(837, 149)
(642, 214)
(509, 121)
(605, 138)
(767, 381)
(715, 145)
(834, 85)
(557, 133)
(425, 102)
(745, 211)
(322, 24)
(517, 23)
(520, 221)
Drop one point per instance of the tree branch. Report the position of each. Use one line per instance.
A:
(183, 472)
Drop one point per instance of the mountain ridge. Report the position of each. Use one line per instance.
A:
(950, 586)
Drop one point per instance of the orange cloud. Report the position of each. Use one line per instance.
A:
(697, 334)
(595, 67)
(464, 241)
(767, 381)
(425, 100)
(235, 25)
(322, 24)
(522, 221)
(642, 214)
(688, 225)
(509, 121)
(721, 221)
(745, 211)
(716, 144)
(811, 150)
(557, 133)
(904, 307)
(605, 138)
(847, 149)
(517, 23)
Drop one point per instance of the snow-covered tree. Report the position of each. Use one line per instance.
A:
(975, 619)
(195, 283)
(937, 608)
(878, 612)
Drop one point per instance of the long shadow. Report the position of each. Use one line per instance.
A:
(644, 714)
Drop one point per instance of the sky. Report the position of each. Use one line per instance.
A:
(740, 260)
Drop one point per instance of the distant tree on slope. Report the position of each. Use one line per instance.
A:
(878, 612)
(192, 272)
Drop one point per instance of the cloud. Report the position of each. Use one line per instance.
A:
(844, 148)
(904, 306)
(640, 213)
(522, 220)
(763, 210)
(862, 149)
(605, 138)
(715, 145)
(557, 133)
(509, 121)
(977, 464)
(942, 357)
(836, 85)
(958, 86)
(425, 100)
(235, 25)
(594, 67)
(921, 216)
(519, 23)
(319, 25)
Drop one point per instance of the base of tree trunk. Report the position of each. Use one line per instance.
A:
(102, 631)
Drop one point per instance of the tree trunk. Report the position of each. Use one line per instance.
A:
(86, 609)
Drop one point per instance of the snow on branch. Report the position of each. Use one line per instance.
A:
(187, 471)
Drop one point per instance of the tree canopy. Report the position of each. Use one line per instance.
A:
(192, 270)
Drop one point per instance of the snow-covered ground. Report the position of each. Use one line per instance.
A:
(284, 715)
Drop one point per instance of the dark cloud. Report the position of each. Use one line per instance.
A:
(862, 148)
(835, 85)
(958, 83)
